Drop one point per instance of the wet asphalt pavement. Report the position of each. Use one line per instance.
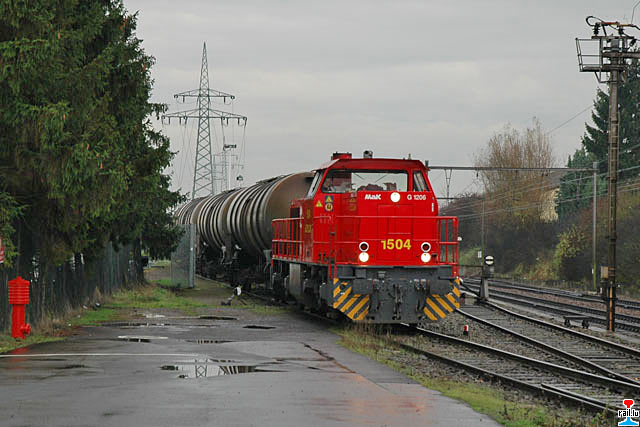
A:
(254, 370)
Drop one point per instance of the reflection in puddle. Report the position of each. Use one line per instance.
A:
(134, 324)
(153, 316)
(141, 338)
(259, 327)
(209, 317)
(208, 341)
(209, 368)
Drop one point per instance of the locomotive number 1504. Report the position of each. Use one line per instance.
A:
(397, 244)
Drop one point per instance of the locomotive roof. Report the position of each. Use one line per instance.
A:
(374, 163)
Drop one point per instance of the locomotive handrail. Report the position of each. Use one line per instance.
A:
(286, 241)
(288, 244)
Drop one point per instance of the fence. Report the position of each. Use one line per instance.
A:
(54, 290)
(183, 259)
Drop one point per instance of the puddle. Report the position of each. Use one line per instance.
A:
(134, 324)
(208, 317)
(141, 338)
(209, 368)
(208, 341)
(71, 367)
(258, 327)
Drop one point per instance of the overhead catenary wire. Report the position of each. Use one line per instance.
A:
(631, 186)
(535, 187)
(569, 120)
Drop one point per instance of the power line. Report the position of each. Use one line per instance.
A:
(567, 121)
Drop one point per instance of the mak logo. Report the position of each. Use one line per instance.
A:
(628, 414)
(373, 196)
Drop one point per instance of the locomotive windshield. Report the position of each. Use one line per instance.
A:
(343, 180)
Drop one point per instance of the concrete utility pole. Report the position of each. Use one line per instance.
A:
(594, 260)
(609, 61)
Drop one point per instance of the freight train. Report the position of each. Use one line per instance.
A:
(357, 236)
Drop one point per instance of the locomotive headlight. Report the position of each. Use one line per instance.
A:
(395, 197)
(425, 257)
(426, 247)
(363, 257)
(364, 246)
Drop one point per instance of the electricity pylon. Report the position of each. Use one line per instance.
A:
(205, 173)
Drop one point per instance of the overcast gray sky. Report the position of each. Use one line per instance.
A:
(432, 78)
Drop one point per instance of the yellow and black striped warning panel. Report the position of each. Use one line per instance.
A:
(438, 306)
(355, 306)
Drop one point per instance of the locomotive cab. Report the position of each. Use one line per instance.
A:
(367, 241)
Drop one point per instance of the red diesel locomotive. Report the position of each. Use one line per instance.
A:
(367, 241)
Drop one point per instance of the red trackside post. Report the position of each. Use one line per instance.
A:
(18, 298)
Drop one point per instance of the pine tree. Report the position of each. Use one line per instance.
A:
(576, 188)
(595, 141)
(77, 151)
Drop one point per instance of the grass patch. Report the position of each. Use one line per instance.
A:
(485, 399)
(166, 283)
(260, 307)
(160, 263)
(491, 401)
(117, 307)
(8, 343)
(95, 317)
(148, 297)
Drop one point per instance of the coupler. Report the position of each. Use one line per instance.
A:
(18, 298)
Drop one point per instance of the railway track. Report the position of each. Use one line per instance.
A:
(580, 379)
(626, 322)
(595, 392)
(591, 353)
(563, 293)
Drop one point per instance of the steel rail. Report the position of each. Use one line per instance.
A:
(576, 376)
(501, 283)
(632, 323)
(557, 351)
(612, 345)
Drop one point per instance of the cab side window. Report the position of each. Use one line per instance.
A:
(315, 183)
(419, 184)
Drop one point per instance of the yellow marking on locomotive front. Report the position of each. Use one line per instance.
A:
(357, 308)
(349, 303)
(436, 308)
(342, 298)
(336, 288)
(442, 303)
(456, 291)
(455, 303)
(397, 244)
(429, 314)
(364, 313)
